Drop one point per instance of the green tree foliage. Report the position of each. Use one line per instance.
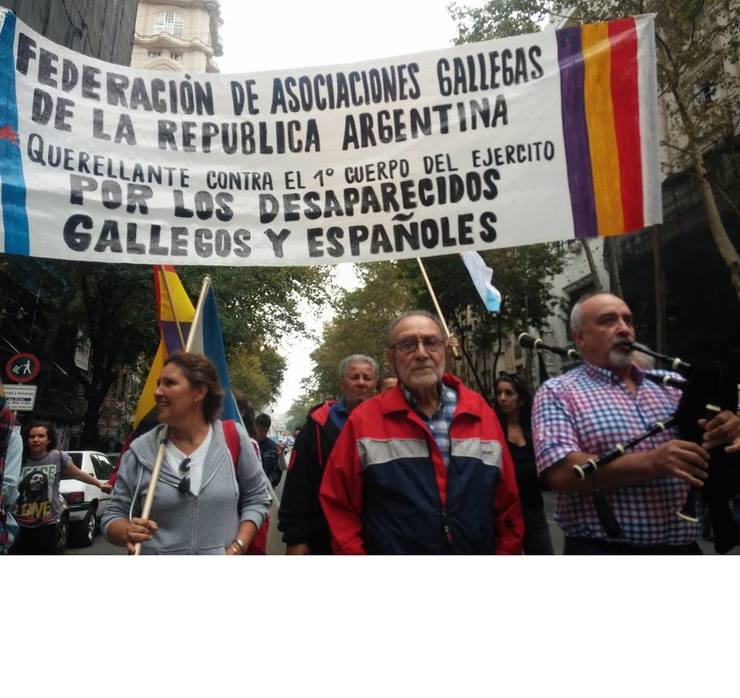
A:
(296, 415)
(497, 19)
(51, 307)
(523, 275)
(359, 326)
(256, 373)
(256, 303)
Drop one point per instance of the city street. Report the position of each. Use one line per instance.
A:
(99, 547)
(102, 547)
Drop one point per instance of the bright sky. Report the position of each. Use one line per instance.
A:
(286, 34)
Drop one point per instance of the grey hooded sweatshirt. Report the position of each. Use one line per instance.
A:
(202, 524)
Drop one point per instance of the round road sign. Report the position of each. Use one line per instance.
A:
(22, 368)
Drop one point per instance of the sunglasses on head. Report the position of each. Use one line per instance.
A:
(511, 378)
(184, 484)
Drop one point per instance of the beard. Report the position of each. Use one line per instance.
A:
(619, 358)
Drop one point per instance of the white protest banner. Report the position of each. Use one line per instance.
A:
(534, 138)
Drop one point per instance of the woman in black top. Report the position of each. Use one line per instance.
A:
(514, 408)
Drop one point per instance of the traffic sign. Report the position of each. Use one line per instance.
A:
(22, 368)
(20, 398)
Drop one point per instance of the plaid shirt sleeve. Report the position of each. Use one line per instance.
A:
(553, 428)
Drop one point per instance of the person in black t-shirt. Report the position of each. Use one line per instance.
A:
(514, 409)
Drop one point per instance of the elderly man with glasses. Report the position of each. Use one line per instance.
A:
(422, 468)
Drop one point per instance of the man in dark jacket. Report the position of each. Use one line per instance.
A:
(301, 520)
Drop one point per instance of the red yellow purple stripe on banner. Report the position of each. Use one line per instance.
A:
(607, 127)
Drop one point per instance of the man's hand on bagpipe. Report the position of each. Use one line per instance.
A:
(722, 430)
(682, 459)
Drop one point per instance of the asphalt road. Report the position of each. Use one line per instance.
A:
(102, 547)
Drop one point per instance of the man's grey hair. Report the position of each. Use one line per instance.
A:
(576, 313)
(345, 363)
(413, 313)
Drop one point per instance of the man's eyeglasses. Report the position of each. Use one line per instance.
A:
(184, 484)
(409, 344)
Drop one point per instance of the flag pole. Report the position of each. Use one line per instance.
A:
(172, 306)
(149, 501)
(455, 350)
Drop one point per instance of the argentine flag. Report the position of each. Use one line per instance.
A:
(481, 276)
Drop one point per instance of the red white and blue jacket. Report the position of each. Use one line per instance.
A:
(386, 489)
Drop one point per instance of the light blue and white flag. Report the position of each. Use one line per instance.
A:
(481, 276)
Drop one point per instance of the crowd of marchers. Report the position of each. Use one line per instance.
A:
(413, 462)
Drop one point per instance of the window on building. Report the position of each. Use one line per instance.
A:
(153, 54)
(169, 22)
(176, 56)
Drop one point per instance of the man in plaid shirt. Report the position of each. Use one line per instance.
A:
(604, 402)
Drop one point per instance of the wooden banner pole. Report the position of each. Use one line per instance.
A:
(455, 350)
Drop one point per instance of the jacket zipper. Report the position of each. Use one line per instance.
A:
(446, 527)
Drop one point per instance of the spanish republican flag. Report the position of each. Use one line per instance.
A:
(175, 314)
(176, 318)
(610, 124)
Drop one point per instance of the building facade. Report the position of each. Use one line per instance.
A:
(99, 29)
(178, 35)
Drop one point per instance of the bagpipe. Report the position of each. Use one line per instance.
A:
(707, 389)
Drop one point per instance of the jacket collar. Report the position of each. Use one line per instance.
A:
(395, 401)
(320, 413)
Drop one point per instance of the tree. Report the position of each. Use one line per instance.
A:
(256, 373)
(112, 309)
(698, 76)
(296, 415)
(522, 274)
(360, 324)
(498, 19)
(69, 305)
(260, 302)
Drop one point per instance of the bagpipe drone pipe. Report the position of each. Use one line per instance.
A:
(711, 388)
(708, 388)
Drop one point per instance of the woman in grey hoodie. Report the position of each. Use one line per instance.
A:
(204, 503)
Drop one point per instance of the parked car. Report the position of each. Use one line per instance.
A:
(86, 502)
(60, 544)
